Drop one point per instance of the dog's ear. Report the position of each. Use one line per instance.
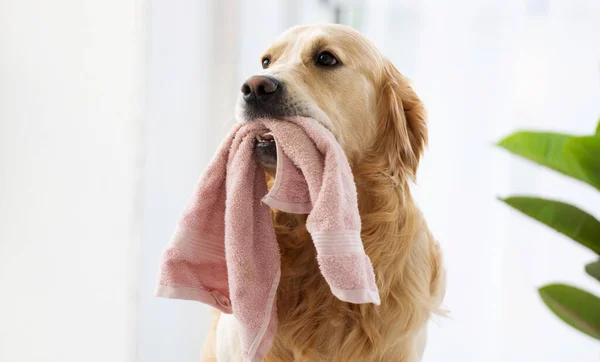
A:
(402, 127)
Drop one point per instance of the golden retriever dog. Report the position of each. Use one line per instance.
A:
(336, 76)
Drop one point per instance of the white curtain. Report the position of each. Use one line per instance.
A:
(483, 68)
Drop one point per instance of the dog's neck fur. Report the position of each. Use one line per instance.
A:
(313, 324)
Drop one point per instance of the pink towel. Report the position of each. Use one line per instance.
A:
(224, 252)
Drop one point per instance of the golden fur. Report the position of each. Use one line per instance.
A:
(380, 122)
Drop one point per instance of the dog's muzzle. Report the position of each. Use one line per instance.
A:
(263, 97)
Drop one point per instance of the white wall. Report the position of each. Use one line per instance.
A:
(70, 160)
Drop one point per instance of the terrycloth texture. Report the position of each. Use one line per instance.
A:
(225, 253)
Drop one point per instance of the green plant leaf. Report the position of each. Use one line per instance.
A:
(598, 128)
(586, 150)
(564, 218)
(593, 269)
(577, 157)
(576, 307)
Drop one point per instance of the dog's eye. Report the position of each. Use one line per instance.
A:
(326, 59)
(265, 62)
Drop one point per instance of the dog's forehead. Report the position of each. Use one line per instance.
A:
(297, 38)
(347, 42)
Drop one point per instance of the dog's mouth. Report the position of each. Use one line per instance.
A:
(265, 152)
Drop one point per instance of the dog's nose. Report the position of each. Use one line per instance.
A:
(260, 88)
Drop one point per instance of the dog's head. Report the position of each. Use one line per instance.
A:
(335, 75)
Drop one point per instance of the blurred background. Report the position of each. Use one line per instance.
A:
(110, 110)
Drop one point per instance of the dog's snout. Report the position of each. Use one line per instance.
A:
(260, 88)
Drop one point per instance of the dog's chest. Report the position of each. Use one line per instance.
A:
(309, 315)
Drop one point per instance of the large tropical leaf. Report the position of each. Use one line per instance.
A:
(593, 269)
(576, 307)
(577, 157)
(564, 218)
(586, 150)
